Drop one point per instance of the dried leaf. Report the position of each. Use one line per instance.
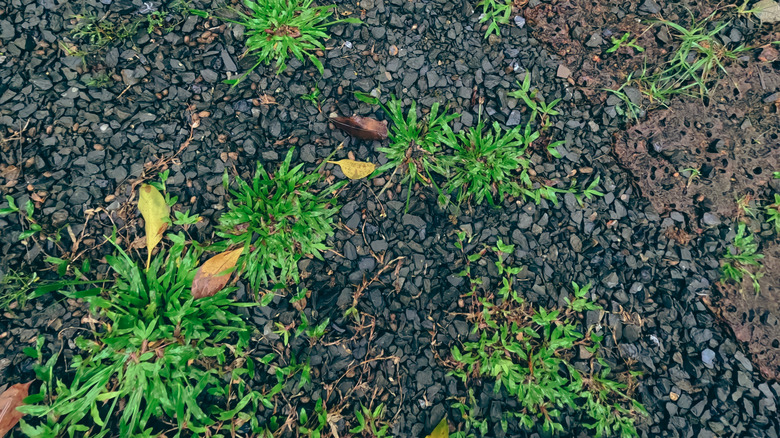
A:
(211, 277)
(9, 401)
(364, 128)
(442, 430)
(355, 169)
(156, 213)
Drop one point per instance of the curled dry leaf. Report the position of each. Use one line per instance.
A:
(364, 128)
(156, 213)
(355, 169)
(9, 401)
(442, 430)
(211, 276)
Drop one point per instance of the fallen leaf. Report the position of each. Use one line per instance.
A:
(355, 169)
(364, 128)
(9, 401)
(442, 430)
(156, 213)
(211, 277)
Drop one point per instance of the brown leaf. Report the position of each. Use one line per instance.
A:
(211, 277)
(364, 128)
(9, 401)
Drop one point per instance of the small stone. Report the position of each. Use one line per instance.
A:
(563, 72)
(707, 357)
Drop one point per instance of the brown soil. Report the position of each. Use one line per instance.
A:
(755, 319)
(733, 141)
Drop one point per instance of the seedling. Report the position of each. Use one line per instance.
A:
(773, 211)
(496, 12)
(537, 105)
(313, 427)
(623, 41)
(590, 192)
(693, 174)
(371, 421)
(631, 109)
(25, 217)
(742, 255)
(314, 97)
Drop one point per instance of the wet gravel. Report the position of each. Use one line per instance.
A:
(81, 149)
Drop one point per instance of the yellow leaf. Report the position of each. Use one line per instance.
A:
(156, 213)
(211, 277)
(442, 430)
(355, 169)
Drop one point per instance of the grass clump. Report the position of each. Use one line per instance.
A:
(484, 164)
(524, 349)
(16, 289)
(280, 29)
(278, 219)
(155, 356)
(741, 256)
(415, 143)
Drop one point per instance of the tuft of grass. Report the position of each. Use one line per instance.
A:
(278, 219)
(155, 354)
(371, 421)
(414, 144)
(694, 64)
(16, 289)
(743, 259)
(280, 29)
(524, 348)
(534, 102)
(491, 164)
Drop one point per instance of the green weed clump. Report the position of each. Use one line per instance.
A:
(278, 219)
(525, 350)
(414, 144)
(496, 12)
(280, 29)
(742, 259)
(156, 354)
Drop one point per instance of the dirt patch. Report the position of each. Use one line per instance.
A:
(580, 32)
(731, 140)
(755, 319)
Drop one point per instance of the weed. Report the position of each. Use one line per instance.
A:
(279, 29)
(742, 254)
(483, 163)
(414, 145)
(694, 62)
(496, 12)
(16, 289)
(694, 173)
(314, 97)
(773, 211)
(278, 219)
(155, 20)
(25, 217)
(473, 425)
(524, 348)
(157, 352)
(623, 41)
(590, 192)
(533, 101)
(101, 80)
(371, 421)
(313, 427)
(746, 205)
(631, 109)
